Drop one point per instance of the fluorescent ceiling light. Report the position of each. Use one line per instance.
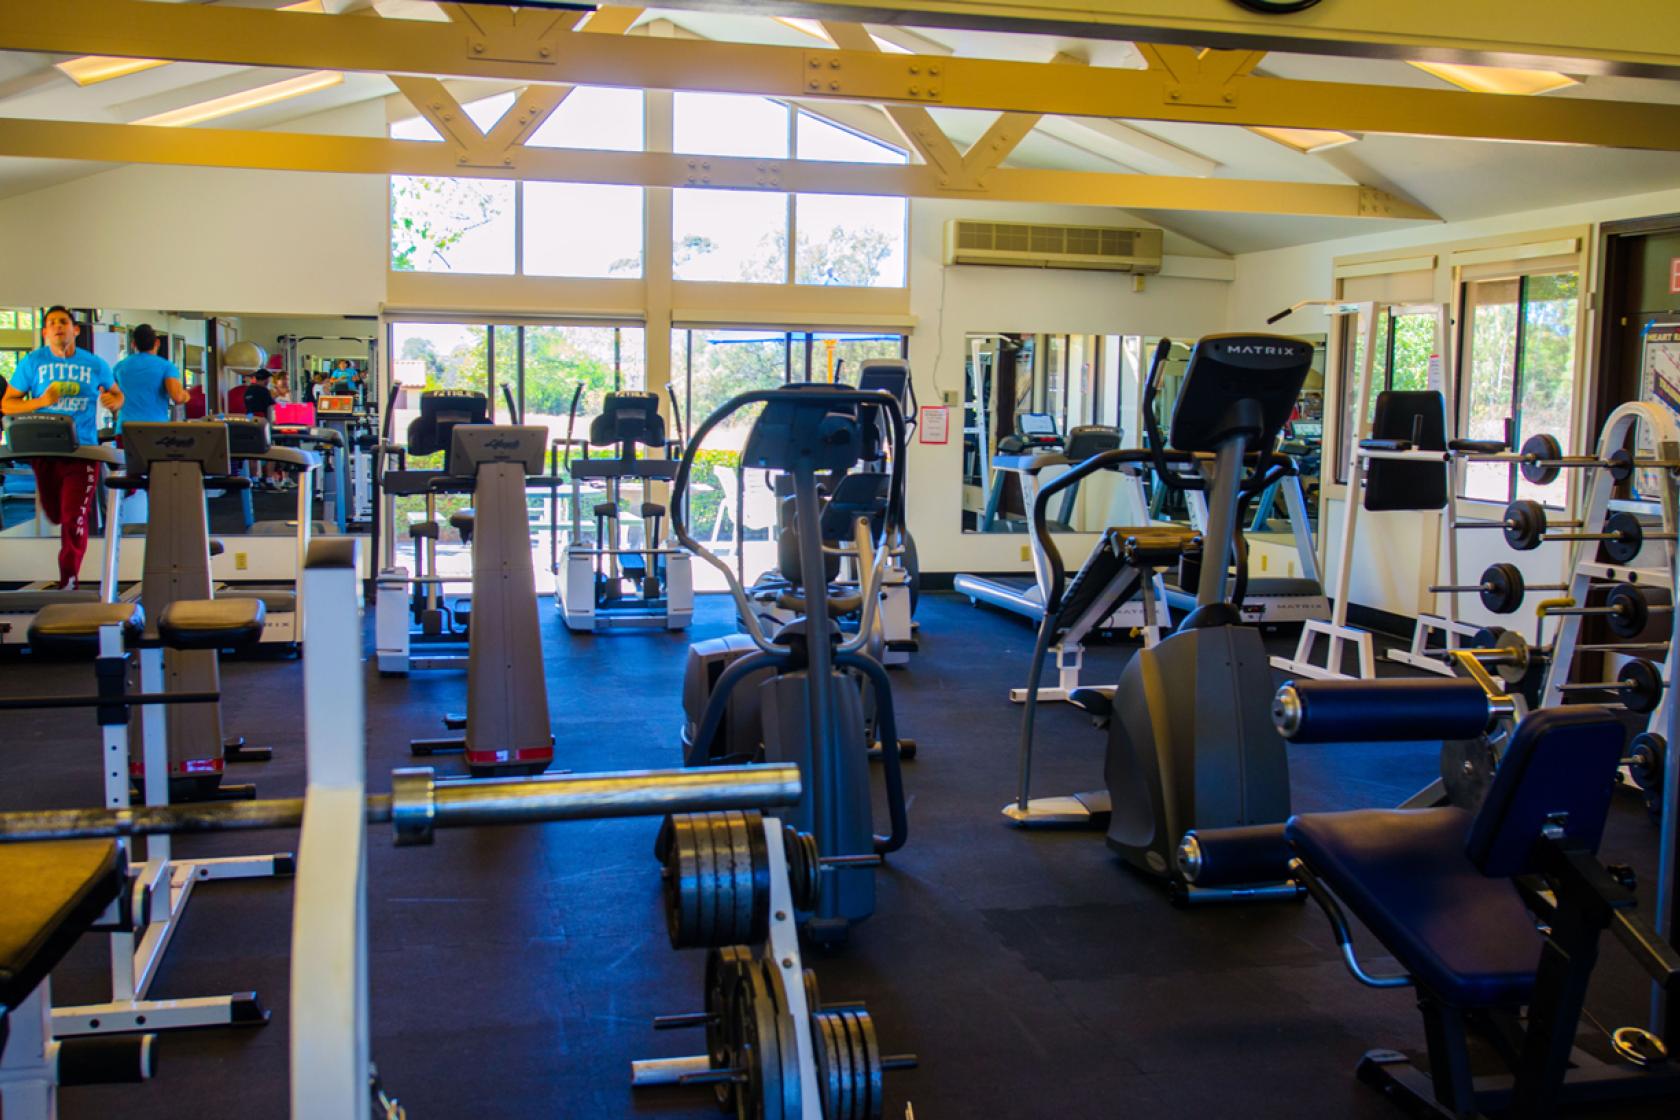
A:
(1497, 79)
(1304, 140)
(91, 68)
(245, 99)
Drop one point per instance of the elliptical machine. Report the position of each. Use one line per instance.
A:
(611, 584)
(1191, 743)
(792, 698)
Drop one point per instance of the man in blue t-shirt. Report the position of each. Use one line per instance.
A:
(150, 384)
(62, 379)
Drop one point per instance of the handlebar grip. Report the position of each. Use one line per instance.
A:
(1393, 711)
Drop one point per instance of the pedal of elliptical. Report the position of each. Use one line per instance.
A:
(235, 750)
(437, 746)
(455, 722)
(1097, 702)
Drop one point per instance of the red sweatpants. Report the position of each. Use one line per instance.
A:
(65, 489)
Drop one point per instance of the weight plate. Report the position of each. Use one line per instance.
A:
(1620, 464)
(1502, 588)
(1630, 613)
(877, 1074)
(813, 993)
(1642, 685)
(1525, 524)
(830, 1064)
(681, 872)
(1628, 536)
(706, 881)
(723, 972)
(735, 911)
(1539, 463)
(787, 1041)
(756, 1016)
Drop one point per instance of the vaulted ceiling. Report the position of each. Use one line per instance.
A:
(1452, 178)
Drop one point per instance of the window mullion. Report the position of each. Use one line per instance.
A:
(1516, 379)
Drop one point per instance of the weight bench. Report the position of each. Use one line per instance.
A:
(50, 894)
(161, 884)
(1456, 899)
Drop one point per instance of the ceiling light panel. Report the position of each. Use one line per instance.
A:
(254, 98)
(1497, 79)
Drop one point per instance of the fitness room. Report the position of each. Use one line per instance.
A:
(1239, 440)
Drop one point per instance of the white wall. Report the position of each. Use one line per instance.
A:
(205, 239)
(1398, 555)
(952, 302)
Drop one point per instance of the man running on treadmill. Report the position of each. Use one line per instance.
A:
(149, 383)
(63, 379)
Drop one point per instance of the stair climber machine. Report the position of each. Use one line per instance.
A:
(506, 725)
(412, 612)
(1191, 743)
(790, 698)
(860, 493)
(615, 584)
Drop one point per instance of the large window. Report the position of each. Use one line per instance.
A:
(840, 240)
(492, 226)
(466, 225)
(1518, 340)
(733, 511)
(1406, 338)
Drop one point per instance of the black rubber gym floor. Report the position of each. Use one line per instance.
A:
(516, 971)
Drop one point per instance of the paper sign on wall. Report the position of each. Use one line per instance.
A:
(1435, 373)
(1673, 275)
(933, 424)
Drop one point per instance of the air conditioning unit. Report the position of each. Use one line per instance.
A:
(1023, 245)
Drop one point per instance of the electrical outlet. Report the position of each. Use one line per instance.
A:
(951, 399)
(241, 561)
(1026, 552)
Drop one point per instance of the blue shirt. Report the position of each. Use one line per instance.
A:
(141, 378)
(80, 379)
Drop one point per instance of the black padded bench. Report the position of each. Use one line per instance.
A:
(50, 894)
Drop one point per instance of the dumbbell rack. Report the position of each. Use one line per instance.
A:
(1652, 567)
(1655, 566)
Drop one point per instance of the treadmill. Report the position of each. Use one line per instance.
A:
(1268, 599)
(1022, 594)
(48, 435)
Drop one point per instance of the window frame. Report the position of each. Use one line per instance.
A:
(1347, 346)
(1521, 272)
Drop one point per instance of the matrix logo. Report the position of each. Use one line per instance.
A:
(178, 443)
(1267, 349)
(502, 443)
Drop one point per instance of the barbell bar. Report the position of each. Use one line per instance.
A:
(418, 803)
(1626, 610)
(1501, 588)
(1639, 684)
(1541, 460)
(1624, 534)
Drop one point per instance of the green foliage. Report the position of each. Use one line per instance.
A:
(429, 217)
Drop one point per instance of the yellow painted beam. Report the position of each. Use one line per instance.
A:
(288, 151)
(250, 37)
(1578, 36)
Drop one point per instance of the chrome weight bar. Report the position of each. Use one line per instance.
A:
(418, 803)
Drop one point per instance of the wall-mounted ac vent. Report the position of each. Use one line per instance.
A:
(1021, 245)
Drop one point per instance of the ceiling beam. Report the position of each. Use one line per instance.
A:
(245, 37)
(1640, 37)
(285, 151)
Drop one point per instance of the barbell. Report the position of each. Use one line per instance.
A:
(1501, 588)
(1527, 527)
(1541, 460)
